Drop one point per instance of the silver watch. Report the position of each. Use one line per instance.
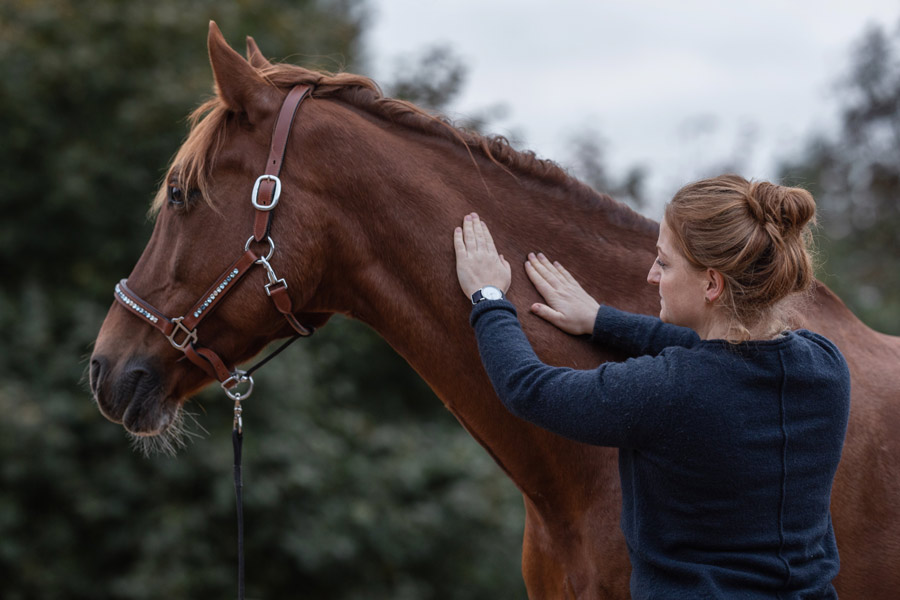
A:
(488, 292)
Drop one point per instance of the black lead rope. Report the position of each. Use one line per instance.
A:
(274, 353)
(237, 437)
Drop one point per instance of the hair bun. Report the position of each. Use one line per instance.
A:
(789, 209)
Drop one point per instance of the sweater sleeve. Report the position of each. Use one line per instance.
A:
(637, 335)
(616, 404)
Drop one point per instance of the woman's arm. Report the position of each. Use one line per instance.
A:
(622, 405)
(639, 335)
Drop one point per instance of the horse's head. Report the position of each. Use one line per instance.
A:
(204, 222)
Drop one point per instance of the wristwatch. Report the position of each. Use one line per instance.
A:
(488, 292)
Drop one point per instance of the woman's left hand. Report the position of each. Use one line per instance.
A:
(477, 262)
(567, 306)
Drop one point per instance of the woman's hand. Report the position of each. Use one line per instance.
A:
(570, 308)
(477, 261)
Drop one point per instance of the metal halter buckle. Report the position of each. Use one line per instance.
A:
(254, 198)
(190, 335)
(230, 385)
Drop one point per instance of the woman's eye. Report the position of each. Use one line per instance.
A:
(661, 264)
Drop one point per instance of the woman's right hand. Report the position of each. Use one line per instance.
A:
(567, 306)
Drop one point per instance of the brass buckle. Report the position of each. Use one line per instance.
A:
(190, 335)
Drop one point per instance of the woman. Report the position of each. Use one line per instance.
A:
(729, 426)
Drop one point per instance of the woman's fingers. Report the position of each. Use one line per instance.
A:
(565, 273)
(537, 279)
(549, 266)
(555, 274)
(483, 236)
(488, 238)
(458, 244)
(546, 269)
(548, 314)
(476, 235)
(469, 234)
(478, 227)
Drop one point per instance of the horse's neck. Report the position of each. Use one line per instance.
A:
(400, 279)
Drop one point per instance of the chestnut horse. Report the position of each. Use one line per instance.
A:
(372, 189)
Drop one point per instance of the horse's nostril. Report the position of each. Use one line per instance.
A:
(97, 367)
(135, 390)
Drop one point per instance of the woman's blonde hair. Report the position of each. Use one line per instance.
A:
(755, 233)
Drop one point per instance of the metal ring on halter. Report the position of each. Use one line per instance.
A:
(237, 378)
(271, 248)
(275, 196)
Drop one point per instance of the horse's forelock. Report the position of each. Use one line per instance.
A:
(196, 155)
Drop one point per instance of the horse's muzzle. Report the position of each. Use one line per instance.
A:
(133, 397)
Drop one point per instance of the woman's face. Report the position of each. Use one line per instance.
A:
(682, 288)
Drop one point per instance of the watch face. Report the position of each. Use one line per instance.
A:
(491, 293)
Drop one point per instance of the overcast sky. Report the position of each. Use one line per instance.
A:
(674, 85)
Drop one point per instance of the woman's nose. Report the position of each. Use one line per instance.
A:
(653, 275)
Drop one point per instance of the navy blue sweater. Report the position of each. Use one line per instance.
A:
(727, 451)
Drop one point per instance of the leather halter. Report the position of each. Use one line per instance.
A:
(182, 331)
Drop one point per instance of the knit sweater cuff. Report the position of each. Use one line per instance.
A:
(489, 305)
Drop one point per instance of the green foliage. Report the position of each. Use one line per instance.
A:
(855, 177)
(358, 483)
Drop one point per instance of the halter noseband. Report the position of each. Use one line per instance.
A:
(182, 331)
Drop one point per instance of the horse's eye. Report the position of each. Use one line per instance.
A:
(181, 198)
(176, 196)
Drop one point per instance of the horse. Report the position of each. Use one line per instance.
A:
(372, 188)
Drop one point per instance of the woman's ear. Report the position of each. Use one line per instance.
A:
(715, 285)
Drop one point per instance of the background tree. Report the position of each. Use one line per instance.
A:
(433, 80)
(855, 177)
(587, 160)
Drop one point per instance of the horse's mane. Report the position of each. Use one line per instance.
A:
(199, 151)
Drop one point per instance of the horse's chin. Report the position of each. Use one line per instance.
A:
(149, 417)
(159, 427)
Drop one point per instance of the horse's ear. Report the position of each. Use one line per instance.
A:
(255, 56)
(238, 84)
